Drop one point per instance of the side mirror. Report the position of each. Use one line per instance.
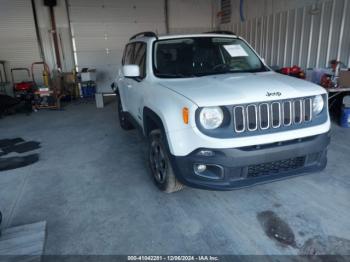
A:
(131, 71)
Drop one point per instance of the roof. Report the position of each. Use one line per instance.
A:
(196, 35)
(148, 35)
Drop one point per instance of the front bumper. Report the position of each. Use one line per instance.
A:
(242, 167)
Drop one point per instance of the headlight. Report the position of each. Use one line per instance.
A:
(317, 104)
(211, 117)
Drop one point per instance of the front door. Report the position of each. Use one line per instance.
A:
(136, 86)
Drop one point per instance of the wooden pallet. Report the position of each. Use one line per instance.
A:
(23, 243)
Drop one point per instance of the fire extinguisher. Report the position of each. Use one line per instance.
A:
(46, 77)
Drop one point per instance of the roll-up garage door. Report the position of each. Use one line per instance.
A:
(100, 30)
(18, 41)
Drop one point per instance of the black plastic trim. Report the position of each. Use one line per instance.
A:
(151, 115)
(221, 32)
(144, 34)
(235, 162)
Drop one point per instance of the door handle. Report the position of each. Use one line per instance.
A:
(129, 85)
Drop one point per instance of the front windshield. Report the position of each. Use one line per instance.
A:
(201, 56)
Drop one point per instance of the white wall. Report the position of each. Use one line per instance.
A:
(287, 32)
(102, 28)
(18, 40)
(193, 16)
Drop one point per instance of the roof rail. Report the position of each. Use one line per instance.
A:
(223, 32)
(147, 34)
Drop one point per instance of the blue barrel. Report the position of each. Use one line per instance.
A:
(84, 91)
(345, 117)
(88, 91)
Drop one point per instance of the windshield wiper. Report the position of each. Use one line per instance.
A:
(231, 72)
(253, 71)
(173, 75)
(213, 73)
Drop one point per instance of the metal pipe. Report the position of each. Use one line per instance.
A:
(342, 28)
(70, 34)
(279, 39)
(54, 36)
(241, 12)
(320, 37)
(256, 34)
(294, 35)
(302, 36)
(286, 40)
(166, 15)
(213, 15)
(330, 34)
(41, 50)
(267, 38)
(273, 38)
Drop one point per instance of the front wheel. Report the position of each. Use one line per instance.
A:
(160, 164)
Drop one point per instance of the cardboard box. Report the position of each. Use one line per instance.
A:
(344, 79)
(88, 76)
(68, 78)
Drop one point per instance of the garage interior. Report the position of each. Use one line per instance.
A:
(82, 187)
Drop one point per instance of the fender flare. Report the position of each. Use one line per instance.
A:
(149, 114)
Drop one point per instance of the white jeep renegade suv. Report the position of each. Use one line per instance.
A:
(215, 115)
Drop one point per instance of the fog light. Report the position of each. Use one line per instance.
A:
(209, 171)
(200, 168)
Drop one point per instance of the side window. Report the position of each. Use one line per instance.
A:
(140, 58)
(128, 55)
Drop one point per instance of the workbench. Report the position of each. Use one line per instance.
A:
(333, 92)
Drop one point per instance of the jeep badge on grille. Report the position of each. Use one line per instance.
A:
(273, 94)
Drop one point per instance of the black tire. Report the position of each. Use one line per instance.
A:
(123, 119)
(160, 165)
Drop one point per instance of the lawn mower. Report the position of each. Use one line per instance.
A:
(294, 71)
(23, 90)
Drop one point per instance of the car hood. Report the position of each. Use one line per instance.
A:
(230, 89)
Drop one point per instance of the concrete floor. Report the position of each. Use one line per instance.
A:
(93, 188)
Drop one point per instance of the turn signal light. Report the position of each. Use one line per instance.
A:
(185, 115)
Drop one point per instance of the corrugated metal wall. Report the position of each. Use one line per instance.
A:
(18, 41)
(300, 36)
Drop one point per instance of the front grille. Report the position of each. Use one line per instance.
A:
(240, 119)
(276, 114)
(276, 167)
(287, 113)
(252, 117)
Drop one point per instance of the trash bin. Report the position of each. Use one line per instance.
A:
(345, 112)
(345, 117)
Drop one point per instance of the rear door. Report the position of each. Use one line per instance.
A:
(123, 82)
